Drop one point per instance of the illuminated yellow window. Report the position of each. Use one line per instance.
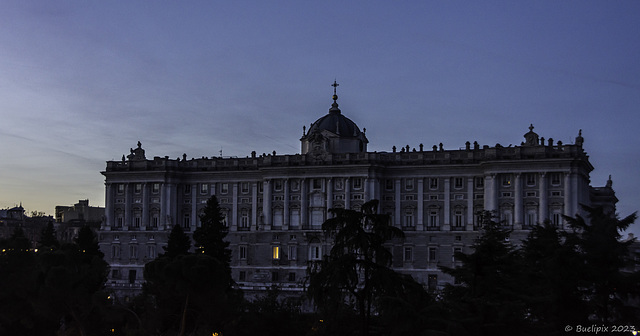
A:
(275, 252)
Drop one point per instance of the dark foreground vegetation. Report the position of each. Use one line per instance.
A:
(553, 279)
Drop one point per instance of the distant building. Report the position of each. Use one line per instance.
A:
(275, 204)
(69, 219)
(15, 217)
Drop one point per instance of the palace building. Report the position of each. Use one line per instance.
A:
(275, 204)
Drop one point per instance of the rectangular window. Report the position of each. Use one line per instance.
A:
(556, 193)
(137, 188)
(458, 218)
(277, 185)
(187, 189)
(409, 197)
(155, 188)
(388, 184)
(531, 218)
(479, 182)
(151, 251)
(115, 251)
(433, 219)
(244, 219)
(204, 188)
(115, 274)
(433, 197)
(555, 179)
(293, 252)
(243, 252)
(408, 219)
(224, 188)
(357, 183)
(119, 221)
(244, 187)
(531, 194)
(120, 188)
(433, 183)
(292, 276)
(531, 180)
(136, 221)
(408, 184)
(154, 220)
(457, 182)
(275, 252)
(315, 252)
(408, 253)
(557, 219)
(133, 251)
(456, 250)
(275, 276)
(432, 254)
(186, 221)
(317, 184)
(506, 180)
(242, 276)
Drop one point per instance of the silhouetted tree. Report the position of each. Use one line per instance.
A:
(552, 276)
(48, 239)
(178, 243)
(607, 288)
(209, 237)
(485, 299)
(358, 267)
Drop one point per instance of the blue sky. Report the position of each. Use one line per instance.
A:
(82, 81)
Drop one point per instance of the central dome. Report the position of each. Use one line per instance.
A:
(334, 133)
(336, 123)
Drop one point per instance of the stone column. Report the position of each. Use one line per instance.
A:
(304, 203)
(447, 204)
(194, 207)
(490, 192)
(329, 195)
(108, 207)
(518, 204)
(145, 205)
(568, 197)
(266, 204)
(543, 210)
(234, 204)
(128, 200)
(367, 189)
(285, 207)
(162, 225)
(254, 205)
(420, 225)
(470, 203)
(398, 213)
(347, 193)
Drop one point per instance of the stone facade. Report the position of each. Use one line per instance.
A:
(275, 204)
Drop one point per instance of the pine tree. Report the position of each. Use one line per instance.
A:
(209, 237)
(604, 255)
(485, 297)
(87, 242)
(178, 244)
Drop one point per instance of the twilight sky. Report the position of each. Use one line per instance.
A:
(82, 81)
